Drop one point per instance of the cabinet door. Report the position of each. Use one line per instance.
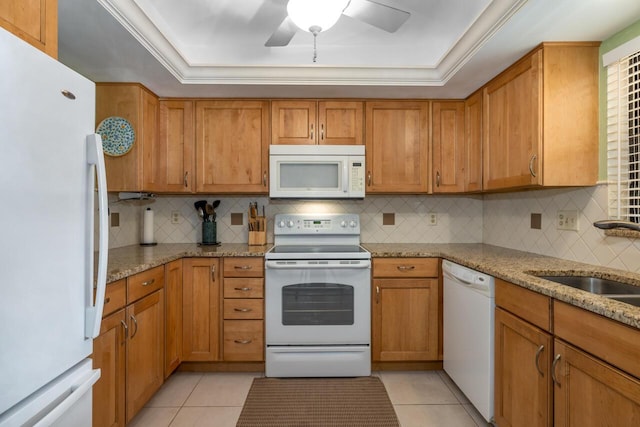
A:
(405, 320)
(340, 123)
(448, 145)
(137, 105)
(168, 161)
(109, 356)
(232, 146)
(145, 350)
(522, 373)
(173, 316)
(34, 21)
(512, 126)
(201, 300)
(589, 392)
(397, 146)
(294, 122)
(473, 142)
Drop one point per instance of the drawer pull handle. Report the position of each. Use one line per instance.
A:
(377, 294)
(406, 267)
(243, 267)
(125, 327)
(243, 289)
(213, 273)
(242, 310)
(537, 359)
(242, 341)
(264, 179)
(186, 181)
(553, 369)
(149, 282)
(438, 179)
(107, 300)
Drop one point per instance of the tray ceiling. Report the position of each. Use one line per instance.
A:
(452, 46)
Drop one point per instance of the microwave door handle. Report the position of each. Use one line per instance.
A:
(345, 176)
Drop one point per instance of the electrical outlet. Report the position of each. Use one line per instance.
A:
(433, 218)
(175, 217)
(567, 220)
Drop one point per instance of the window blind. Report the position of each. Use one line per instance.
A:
(623, 138)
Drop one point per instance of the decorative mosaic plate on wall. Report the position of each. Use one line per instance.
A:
(117, 135)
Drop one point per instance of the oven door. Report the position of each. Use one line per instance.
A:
(318, 302)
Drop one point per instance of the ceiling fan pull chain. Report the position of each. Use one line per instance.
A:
(315, 47)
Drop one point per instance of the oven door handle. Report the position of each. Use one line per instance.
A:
(294, 266)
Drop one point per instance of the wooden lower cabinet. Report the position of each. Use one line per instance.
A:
(243, 340)
(145, 350)
(173, 316)
(523, 354)
(589, 392)
(243, 309)
(405, 320)
(201, 301)
(109, 356)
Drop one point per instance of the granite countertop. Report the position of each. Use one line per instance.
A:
(521, 267)
(128, 260)
(511, 265)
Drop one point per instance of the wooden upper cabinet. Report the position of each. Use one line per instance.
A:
(540, 119)
(169, 161)
(316, 122)
(232, 146)
(397, 135)
(473, 142)
(34, 21)
(448, 146)
(139, 106)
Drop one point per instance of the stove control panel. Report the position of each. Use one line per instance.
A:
(317, 224)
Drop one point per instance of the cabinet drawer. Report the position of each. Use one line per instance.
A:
(244, 267)
(243, 308)
(235, 287)
(611, 341)
(524, 303)
(115, 297)
(243, 340)
(405, 267)
(144, 283)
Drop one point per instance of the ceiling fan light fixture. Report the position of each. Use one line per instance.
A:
(315, 15)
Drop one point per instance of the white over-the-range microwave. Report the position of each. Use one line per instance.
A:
(316, 171)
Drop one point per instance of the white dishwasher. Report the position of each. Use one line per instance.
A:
(468, 320)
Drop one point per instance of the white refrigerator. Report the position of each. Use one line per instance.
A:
(50, 300)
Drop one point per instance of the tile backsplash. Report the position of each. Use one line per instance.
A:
(458, 219)
(506, 221)
(499, 219)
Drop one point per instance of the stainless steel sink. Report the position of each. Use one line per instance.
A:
(629, 299)
(596, 285)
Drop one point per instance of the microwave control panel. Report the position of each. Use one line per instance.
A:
(357, 176)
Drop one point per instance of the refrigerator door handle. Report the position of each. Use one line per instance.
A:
(95, 158)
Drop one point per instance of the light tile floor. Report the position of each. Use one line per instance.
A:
(421, 399)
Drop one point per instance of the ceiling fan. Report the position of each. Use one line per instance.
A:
(319, 15)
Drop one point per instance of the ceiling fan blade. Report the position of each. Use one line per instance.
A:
(283, 34)
(379, 15)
